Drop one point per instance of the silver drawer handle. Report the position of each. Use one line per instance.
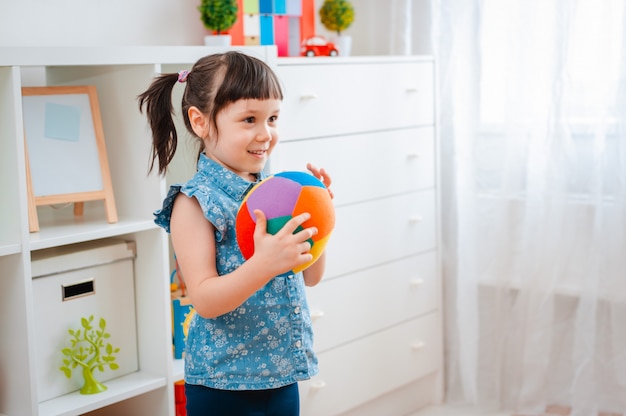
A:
(316, 315)
(418, 345)
(417, 282)
(318, 385)
(414, 219)
(413, 156)
(411, 89)
(308, 96)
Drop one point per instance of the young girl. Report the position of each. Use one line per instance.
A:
(251, 339)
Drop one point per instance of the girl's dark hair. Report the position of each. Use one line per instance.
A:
(213, 82)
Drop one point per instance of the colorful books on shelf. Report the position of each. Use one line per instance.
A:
(182, 313)
(284, 23)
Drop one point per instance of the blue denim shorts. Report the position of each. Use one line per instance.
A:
(205, 401)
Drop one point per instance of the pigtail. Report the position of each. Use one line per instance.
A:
(157, 100)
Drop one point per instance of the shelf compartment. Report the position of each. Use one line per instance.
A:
(74, 282)
(119, 389)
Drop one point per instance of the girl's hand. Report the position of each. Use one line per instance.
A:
(284, 250)
(322, 175)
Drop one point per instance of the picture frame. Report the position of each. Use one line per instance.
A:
(66, 158)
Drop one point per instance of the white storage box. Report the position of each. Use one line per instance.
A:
(76, 281)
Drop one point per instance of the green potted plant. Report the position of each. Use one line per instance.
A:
(218, 16)
(337, 16)
(90, 353)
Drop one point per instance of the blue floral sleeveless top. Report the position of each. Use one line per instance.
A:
(265, 343)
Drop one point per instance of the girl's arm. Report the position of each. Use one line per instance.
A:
(314, 273)
(193, 239)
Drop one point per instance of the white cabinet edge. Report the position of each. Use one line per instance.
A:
(118, 55)
(324, 60)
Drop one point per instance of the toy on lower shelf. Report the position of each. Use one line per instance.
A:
(180, 400)
(86, 352)
(182, 313)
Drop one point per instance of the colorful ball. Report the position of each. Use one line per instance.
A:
(282, 197)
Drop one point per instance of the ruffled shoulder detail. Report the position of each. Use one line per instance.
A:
(164, 215)
(212, 211)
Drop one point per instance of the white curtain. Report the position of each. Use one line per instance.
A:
(532, 113)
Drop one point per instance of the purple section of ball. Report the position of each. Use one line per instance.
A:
(276, 197)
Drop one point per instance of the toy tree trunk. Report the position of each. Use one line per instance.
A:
(91, 386)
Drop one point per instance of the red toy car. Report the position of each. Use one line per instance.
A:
(318, 46)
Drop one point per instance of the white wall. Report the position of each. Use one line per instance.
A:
(383, 28)
(380, 27)
(100, 22)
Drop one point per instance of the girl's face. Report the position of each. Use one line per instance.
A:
(246, 135)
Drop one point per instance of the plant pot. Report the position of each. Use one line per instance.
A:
(344, 44)
(218, 40)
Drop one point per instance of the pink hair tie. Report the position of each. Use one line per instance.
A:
(182, 76)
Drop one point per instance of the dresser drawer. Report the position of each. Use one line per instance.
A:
(366, 166)
(360, 371)
(381, 230)
(338, 98)
(351, 306)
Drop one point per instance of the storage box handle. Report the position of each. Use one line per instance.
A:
(78, 290)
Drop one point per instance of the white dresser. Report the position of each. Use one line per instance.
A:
(377, 314)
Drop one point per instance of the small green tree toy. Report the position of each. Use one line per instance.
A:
(86, 352)
(218, 15)
(337, 15)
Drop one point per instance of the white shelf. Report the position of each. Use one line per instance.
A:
(115, 55)
(102, 56)
(118, 389)
(78, 231)
(350, 60)
(6, 249)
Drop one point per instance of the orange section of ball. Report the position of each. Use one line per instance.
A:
(316, 201)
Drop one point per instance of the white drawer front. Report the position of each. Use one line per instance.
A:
(352, 306)
(323, 100)
(359, 371)
(366, 166)
(381, 230)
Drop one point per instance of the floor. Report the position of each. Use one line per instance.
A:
(448, 410)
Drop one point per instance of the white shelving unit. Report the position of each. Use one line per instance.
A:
(119, 74)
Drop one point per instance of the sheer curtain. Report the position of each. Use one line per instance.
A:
(532, 104)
